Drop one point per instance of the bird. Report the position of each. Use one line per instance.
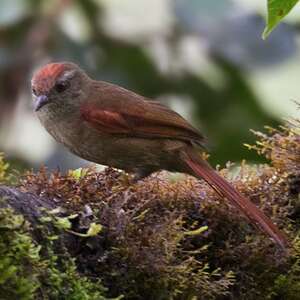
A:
(107, 124)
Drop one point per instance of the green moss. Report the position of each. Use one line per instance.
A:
(3, 169)
(25, 273)
(64, 282)
(19, 258)
(287, 286)
(165, 239)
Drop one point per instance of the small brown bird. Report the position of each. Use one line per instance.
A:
(110, 125)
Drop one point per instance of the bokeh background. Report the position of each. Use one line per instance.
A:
(204, 58)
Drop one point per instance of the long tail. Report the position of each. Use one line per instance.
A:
(201, 169)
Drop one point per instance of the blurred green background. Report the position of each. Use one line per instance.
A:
(205, 59)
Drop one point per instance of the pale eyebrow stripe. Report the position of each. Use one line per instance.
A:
(67, 75)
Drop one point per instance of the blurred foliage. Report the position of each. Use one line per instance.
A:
(277, 10)
(177, 238)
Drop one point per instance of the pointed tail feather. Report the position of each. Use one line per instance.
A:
(201, 169)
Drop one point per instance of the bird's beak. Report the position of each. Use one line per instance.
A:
(40, 101)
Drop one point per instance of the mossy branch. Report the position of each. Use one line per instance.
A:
(161, 238)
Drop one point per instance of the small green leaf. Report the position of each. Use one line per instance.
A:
(78, 173)
(196, 231)
(63, 223)
(55, 211)
(141, 215)
(45, 219)
(277, 10)
(93, 230)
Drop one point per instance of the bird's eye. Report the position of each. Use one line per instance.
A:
(61, 86)
(34, 92)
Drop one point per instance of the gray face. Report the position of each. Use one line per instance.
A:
(53, 92)
(58, 91)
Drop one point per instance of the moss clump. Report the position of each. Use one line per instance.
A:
(162, 238)
(19, 258)
(287, 286)
(149, 238)
(29, 270)
(3, 169)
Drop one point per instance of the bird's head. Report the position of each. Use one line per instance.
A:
(58, 84)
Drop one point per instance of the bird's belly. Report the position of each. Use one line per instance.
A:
(120, 152)
(127, 153)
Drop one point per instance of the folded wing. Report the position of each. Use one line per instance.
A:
(128, 114)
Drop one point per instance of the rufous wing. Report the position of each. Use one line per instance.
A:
(134, 116)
